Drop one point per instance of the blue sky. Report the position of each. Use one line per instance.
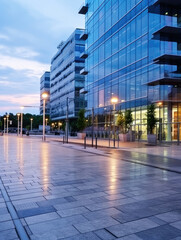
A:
(30, 31)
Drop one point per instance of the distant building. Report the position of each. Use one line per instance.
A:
(45, 87)
(65, 78)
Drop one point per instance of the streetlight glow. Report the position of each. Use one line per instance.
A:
(114, 100)
(44, 95)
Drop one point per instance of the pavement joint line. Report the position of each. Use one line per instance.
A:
(130, 160)
(18, 225)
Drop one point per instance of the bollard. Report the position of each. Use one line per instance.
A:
(178, 134)
(96, 143)
(114, 141)
(84, 142)
(63, 139)
(109, 140)
(118, 140)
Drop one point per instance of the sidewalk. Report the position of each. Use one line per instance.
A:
(164, 150)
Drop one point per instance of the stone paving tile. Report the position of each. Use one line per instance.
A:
(165, 232)
(26, 206)
(35, 211)
(8, 235)
(85, 236)
(170, 217)
(129, 228)
(72, 211)
(42, 218)
(54, 234)
(95, 224)
(130, 237)
(73, 204)
(6, 225)
(134, 215)
(104, 235)
(40, 228)
(101, 214)
(5, 217)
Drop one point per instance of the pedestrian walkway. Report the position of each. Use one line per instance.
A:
(164, 150)
(52, 191)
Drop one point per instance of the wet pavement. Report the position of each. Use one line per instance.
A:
(55, 191)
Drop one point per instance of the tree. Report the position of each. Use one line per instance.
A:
(81, 121)
(151, 118)
(120, 121)
(128, 119)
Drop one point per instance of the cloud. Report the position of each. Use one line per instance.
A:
(24, 52)
(21, 99)
(4, 37)
(33, 68)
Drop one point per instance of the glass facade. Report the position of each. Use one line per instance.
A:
(66, 80)
(134, 53)
(45, 87)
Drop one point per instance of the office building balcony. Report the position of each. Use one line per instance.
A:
(83, 72)
(84, 36)
(83, 9)
(83, 55)
(168, 59)
(166, 7)
(167, 33)
(167, 79)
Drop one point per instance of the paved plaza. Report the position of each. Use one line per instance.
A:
(53, 191)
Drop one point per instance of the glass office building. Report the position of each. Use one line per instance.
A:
(133, 52)
(45, 87)
(65, 77)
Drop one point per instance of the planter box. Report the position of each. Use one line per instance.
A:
(124, 137)
(81, 135)
(152, 139)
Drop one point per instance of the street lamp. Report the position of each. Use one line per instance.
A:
(46, 121)
(22, 121)
(4, 124)
(7, 122)
(31, 119)
(160, 121)
(18, 114)
(44, 97)
(59, 125)
(114, 101)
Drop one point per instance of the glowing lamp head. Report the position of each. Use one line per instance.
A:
(44, 95)
(18, 114)
(159, 104)
(31, 119)
(114, 100)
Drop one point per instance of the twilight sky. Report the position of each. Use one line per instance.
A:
(30, 31)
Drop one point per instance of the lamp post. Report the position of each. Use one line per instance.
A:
(7, 122)
(114, 100)
(59, 125)
(18, 114)
(67, 118)
(46, 121)
(44, 97)
(21, 121)
(31, 123)
(4, 124)
(160, 121)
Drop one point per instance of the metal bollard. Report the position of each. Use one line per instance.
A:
(109, 140)
(84, 142)
(114, 141)
(178, 134)
(96, 143)
(118, 140)
(63, 140)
